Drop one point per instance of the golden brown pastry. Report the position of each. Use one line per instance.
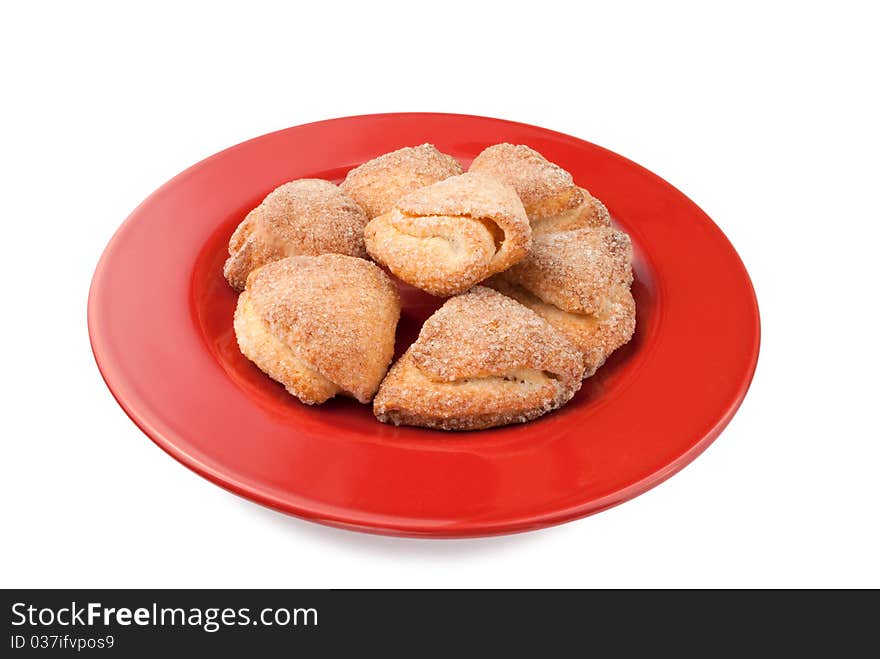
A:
(481, 360)
(378, 183)
(579, 282)
(446, 237)
(552, 200)
(308, 216)
(319, 325)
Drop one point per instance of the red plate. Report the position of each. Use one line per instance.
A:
(160, 321)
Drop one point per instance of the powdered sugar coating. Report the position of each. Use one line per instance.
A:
(446, 237)
(275, 358)
(552, 200)
(544, 187)
(481, 360)
(336, 313)
(302, 217)
(595, 335)
(439, 254)
(485, 333)
(377, 184)
(575, 270)
(590, 213)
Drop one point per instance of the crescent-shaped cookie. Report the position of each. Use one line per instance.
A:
(319, 325)
(552, 200)
(481, 360)
(302, 217)
(579, 282)
(446, 237)
(380, 182)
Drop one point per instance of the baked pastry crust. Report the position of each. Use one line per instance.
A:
(446, 237)
(302, 217)
(481, 360)
(320, 325)
(579, 282)
(595, 335)
(380, 182)
(552, 200)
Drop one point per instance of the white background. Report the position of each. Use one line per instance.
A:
(765, 115)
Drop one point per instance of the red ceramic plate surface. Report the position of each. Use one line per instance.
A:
(160, 321)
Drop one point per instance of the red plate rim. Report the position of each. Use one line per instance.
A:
(128, 282)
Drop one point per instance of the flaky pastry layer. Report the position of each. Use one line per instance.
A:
(548, 192)
(328, 320)
(275, 358)
(377, 184)
(451, 235)
(575, 270)
(302, 217)
(595, 335)
(589, 213)
(481, 360)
